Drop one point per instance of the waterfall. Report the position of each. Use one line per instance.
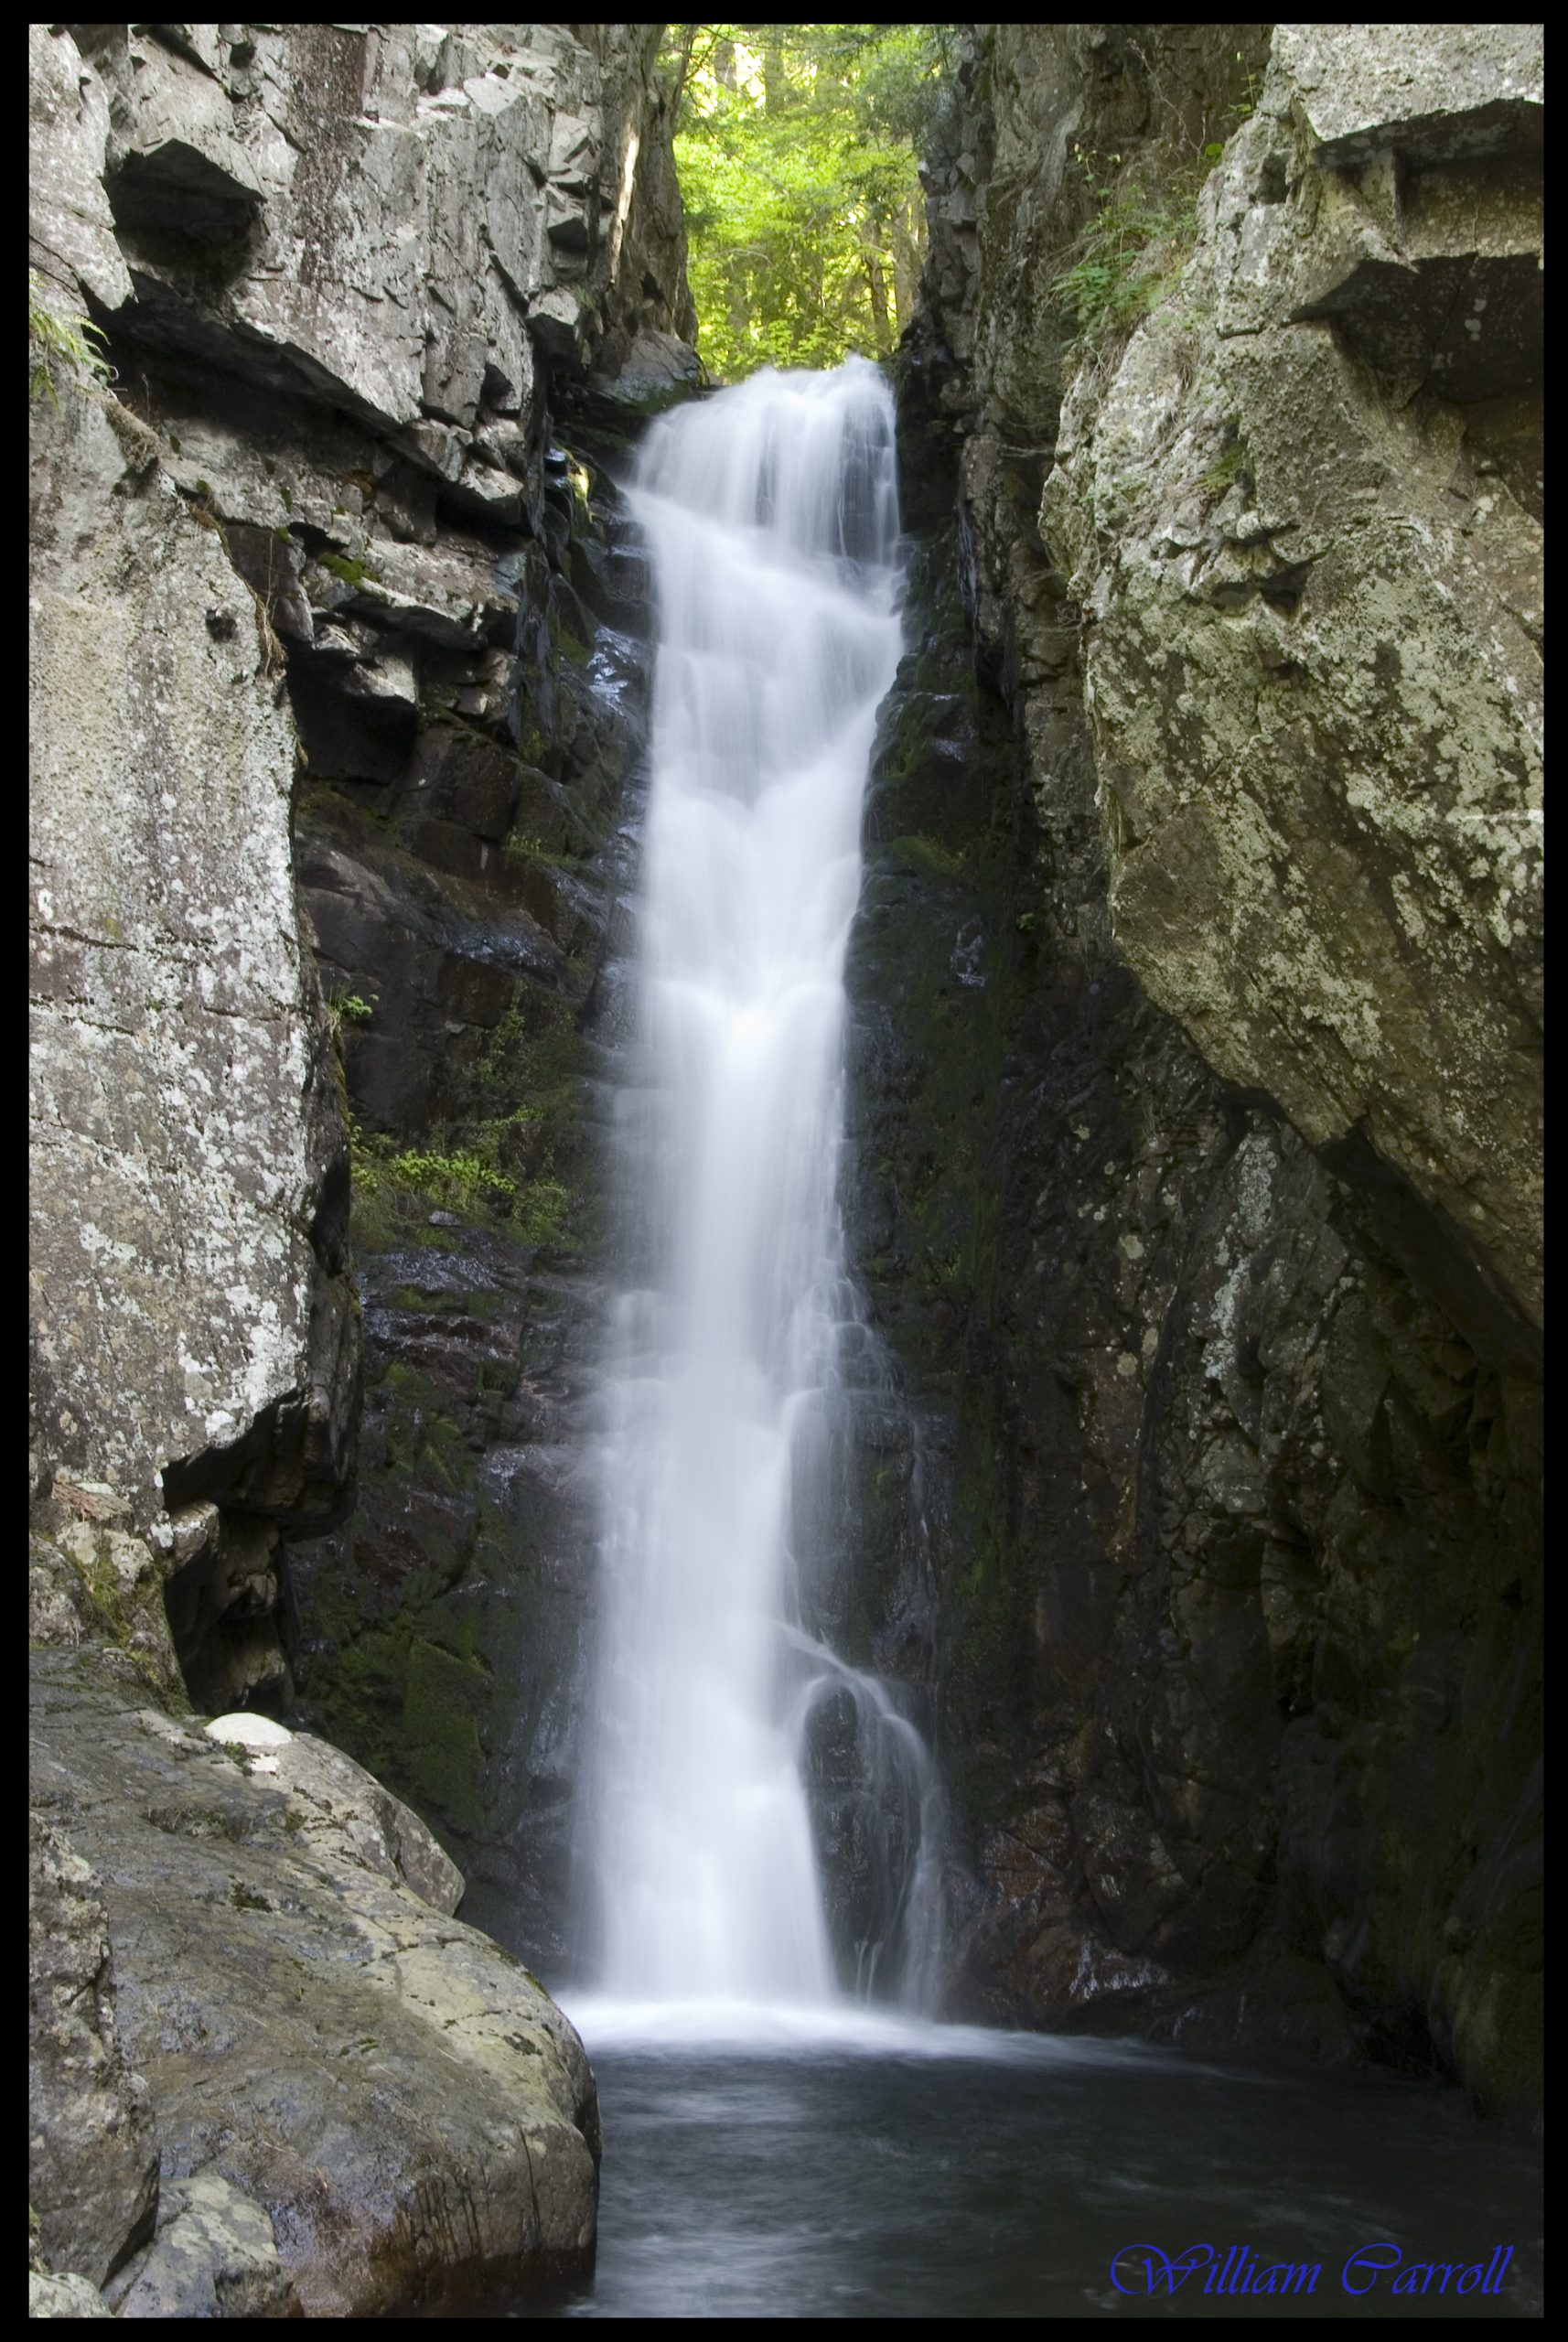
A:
(770, 512)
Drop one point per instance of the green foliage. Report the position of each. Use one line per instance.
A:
(59, 339)
(455, 1182)
(795, 146)
(1132, 249)
(468, 1180)
(541, 1207)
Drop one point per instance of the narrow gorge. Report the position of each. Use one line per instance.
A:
(786, 1242)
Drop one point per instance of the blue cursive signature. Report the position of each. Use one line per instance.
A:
(1238, 2269)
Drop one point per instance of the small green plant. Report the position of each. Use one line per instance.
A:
(1132, 250)
(539, 1211)
(1234, 465)
(347, 1008)
(506, 1035)
(56, 338)
(347, 570)
(1245, 108)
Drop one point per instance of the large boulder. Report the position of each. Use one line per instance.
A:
(346, 1808)
(331, 2058)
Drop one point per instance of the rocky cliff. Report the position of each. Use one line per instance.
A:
(324, 745)
(1213, 1276)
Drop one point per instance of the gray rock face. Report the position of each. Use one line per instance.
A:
(1430, 94)
(1314, 663)
(70, 228)
(442, 1634)
(92, 2161)
(342, 264)
(181, 1302)
(327, 2054)
(1224, 1580)
(402, 217)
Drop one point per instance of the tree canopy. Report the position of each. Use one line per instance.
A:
(795, 146)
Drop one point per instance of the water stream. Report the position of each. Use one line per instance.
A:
(770, 514)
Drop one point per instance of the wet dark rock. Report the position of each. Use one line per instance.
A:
(442, 1634)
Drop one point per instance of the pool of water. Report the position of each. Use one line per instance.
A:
(901, 2170)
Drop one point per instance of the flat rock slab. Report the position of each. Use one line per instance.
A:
(401, 2098)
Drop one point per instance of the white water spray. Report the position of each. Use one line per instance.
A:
(772, 516)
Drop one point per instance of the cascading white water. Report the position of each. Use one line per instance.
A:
(772, 516)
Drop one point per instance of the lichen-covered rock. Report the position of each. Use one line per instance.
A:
(349, 261)
(91, 1579)
(345, 1806)
(396, 219)
(387, 2088)
(70, 228)
(181, 1302)
(92, 2157)
(214, 2255)
(1314, 601)
(1431, 94)
(67, 2296)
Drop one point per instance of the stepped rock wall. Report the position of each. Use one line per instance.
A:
(309, 659)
